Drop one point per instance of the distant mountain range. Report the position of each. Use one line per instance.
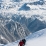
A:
(11, 31)
(19, 19)
(16, 27)
(17, 4)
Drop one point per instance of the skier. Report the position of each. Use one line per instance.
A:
(22, 42)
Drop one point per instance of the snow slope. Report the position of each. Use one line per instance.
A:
(39, 41)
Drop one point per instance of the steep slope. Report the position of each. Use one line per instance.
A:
(36, 25)
(24, 7)
(17, 29)
(36, 39)
(11, 30)
(37, 42)
(32, 23)
(5, 36)
(40, 33)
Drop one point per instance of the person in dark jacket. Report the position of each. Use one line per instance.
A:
(22, 42)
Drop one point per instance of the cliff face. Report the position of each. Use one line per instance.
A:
(11, 31)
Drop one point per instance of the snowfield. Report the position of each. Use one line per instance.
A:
(37, 42)
(35, 39)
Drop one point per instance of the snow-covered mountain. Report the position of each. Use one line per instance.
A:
(19, 18)
(11, 30)
(17, 26)
(32, 23)
(38, 37)
(19, 5)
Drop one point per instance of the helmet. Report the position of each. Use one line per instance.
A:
(24, 41)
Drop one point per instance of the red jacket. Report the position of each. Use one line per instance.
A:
(21, 43)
